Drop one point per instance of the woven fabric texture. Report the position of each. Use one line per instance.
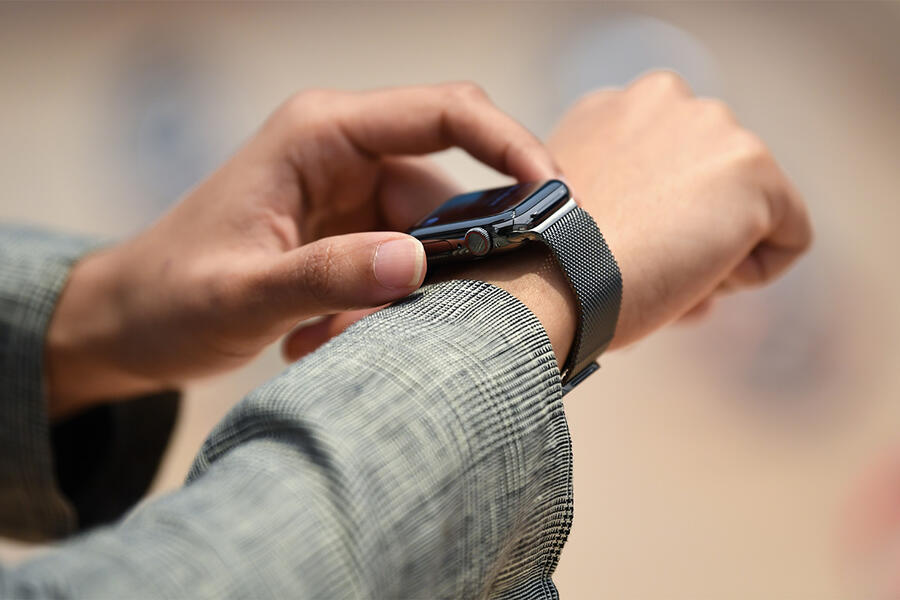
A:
(424, 453)
(33, 269)
(58, 479)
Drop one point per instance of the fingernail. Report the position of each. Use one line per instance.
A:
(399, 264)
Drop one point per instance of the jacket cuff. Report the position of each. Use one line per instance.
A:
(51, 474)
(437, 421)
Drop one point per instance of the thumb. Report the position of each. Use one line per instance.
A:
(345, 272)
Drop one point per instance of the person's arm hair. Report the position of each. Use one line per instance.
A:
(423, 453)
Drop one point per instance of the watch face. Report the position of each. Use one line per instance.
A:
(480, 204)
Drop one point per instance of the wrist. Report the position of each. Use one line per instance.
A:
(535, 279)
(83, 339)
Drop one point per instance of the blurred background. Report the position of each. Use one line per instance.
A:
(713, 461)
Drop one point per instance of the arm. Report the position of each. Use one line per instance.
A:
(424, 453)
(116, 327)
(745, 223)
(58, 477)
(303, 220)
(691, 204)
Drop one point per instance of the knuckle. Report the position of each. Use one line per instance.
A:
(664, 81)
(750, 149)
(311, 97)
(717, 109)
(467, 91)
(318, 268)
(306, 105)
(594, 99)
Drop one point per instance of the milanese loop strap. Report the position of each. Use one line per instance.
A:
(594, 276)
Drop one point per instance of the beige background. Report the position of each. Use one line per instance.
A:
(711, 462)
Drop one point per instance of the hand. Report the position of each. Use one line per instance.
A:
(690, 203)
(250, 252)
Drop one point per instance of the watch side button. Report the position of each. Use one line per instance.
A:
(478, 241)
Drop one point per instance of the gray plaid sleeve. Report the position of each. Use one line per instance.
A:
(423, 453)
(57, 479)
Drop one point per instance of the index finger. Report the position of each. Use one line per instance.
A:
(421, 120)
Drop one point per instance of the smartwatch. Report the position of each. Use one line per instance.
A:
(483, 223)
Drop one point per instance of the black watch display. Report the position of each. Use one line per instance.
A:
(487, 222)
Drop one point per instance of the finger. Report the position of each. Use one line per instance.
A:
(660, 82)
(341, 273)
(763, 264)
(421, 120)
(788, 236)
(698, 312)
(307, 338)
(792, 233)
(411, 188)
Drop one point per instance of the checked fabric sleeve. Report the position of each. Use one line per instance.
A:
(57, 479)
(423, 453)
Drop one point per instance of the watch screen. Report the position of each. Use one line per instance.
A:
(484, 203)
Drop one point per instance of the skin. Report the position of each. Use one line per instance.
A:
(691, 204)
(290, 227)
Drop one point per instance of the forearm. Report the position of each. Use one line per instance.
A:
(422, 453)
(86, 338)
(532, 276)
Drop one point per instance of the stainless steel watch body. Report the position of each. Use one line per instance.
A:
(471, 226)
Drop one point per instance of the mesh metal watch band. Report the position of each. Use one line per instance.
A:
(579, 248)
